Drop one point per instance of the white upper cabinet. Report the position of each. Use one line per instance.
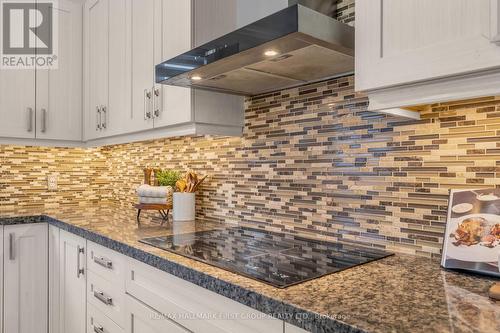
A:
(172, 105)
(402, 42)
(56, 112)
(124, 40)
(17, 103)
(195, 23)
(145, 30)
(107, 100)
(59, 90)
(96, 40)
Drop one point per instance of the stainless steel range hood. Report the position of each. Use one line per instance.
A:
(294, 46)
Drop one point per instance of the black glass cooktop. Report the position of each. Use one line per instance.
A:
(278, 259)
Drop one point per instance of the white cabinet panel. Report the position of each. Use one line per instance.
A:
(142, 319)
(98, 322)
(72, 293)
(120, 118)
(17, 103)
(26, 278)
(59, 91)
(143, 61)
(293, 329)
(106, 263)
(404, 41)
(173, 105)
(54, 274)
(183, 301)
(107, 297)
(96, 66)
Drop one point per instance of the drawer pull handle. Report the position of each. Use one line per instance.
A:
(11, 247)
(103, 297)
(98, 329)
(104, 262)
(79, 271)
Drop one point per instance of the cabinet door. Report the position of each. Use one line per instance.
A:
(119, 112)
(54, 285)
(143, 36)
(142, 319)
(172, 105)
(26, 278)
(293, 329)
(59, 91)
(96, 67)
(72, 283)
(17, 102)
(404, 41)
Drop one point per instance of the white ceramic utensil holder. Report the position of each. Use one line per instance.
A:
(184, 206)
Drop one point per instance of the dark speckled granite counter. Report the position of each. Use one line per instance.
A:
(397, 294)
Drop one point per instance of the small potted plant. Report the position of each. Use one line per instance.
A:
(167, 177)
(185, 197)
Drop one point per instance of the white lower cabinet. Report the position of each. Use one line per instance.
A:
(97, 322)
(94, 289)
(143, 319)
(72, 283)
(25, 278)
(106, 297)
(293, 329)
(194, 307)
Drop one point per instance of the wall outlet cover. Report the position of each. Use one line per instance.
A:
(52, 182)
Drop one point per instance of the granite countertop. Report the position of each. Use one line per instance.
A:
(400, 293)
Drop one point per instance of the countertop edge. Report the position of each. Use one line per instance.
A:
(289, 313)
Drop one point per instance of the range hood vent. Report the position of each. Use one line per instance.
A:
(292, 47)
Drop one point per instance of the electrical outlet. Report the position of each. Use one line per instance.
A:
(52, 182)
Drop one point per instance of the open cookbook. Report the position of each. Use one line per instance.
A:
(472, 237)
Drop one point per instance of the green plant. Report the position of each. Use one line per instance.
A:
(168, 177)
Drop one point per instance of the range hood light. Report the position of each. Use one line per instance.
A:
(195, 78)
(270, 53)
(176, 66)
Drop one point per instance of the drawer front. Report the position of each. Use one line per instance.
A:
(293, 329)
(142, 319)
(97, 322)
(106, 263)
(193, 307)
(106, 297)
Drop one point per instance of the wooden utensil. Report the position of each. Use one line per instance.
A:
(494, 291)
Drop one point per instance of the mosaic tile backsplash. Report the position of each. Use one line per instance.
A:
(311, 161)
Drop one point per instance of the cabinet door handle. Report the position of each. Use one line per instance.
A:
(98, 329)
(147, 104)
(104, 262)
(30, 119)
(44, 120)
(103, 297)
(11, 247)
(79, 271)
(156, 102)
(98, 118)
(104, 116)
